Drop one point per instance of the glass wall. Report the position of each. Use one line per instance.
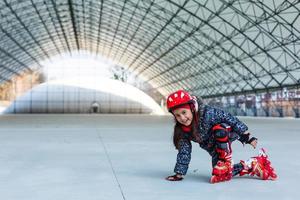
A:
(283, 103)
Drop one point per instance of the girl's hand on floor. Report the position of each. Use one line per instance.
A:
(176, 177)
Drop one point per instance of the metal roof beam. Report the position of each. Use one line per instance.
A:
(157, 34)
(70, 4)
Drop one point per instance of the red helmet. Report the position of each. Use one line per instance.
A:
(178, 98)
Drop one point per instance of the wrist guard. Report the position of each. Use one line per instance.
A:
(245, 138)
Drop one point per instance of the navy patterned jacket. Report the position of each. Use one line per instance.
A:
(208, 117)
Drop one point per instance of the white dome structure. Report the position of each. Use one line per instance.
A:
(81, 96)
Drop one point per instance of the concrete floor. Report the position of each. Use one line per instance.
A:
(117, 157)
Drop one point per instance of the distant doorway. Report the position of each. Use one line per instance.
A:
(95, 108)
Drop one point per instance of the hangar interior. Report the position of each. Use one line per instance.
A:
(83, 85)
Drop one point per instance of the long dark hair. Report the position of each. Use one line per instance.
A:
(178, 132)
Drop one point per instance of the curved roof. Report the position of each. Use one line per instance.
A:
(211, 48)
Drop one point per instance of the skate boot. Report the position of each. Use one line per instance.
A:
(260, 166)
(222, 171)
(246, 170)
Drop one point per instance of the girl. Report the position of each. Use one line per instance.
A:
(214, 130)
